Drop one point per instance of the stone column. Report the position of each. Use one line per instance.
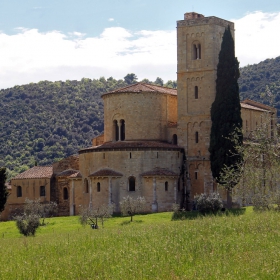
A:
(72, 199)
(119, 125)
(110, 190)
(155, 204)
(90, 194)
(175, 190)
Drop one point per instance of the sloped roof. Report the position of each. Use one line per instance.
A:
(132, 144)
(36, 172)
(106, 172)
(143, 87)
(248, 106)
(258, 105)
(159, 172)
(76, 175)
(69, 173)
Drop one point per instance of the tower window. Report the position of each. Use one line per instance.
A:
(196, 51)
(42, 191)
(166, 186)
(196, 137)
(131, 184)
(195, 175)
(129, 155)
(19, 191)
(196, 92)
(98, 187)
(65, 193)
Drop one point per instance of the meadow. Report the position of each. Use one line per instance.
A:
(242, 245)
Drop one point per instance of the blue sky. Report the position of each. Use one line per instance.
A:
(71, 39)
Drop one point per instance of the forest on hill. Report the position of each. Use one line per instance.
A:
(43, 122)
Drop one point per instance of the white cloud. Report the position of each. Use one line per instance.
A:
(111, 19)
(31, 56)
(257, 37)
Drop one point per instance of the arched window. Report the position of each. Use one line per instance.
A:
(42, 191)
(122, 130)
(174, 139)
(98, 187)
(195, 175)
(19, 191)
(166, 186)
(196, 50)
(131, 184)
(65, 193)
(196, 92)
(86, 185)
(196, 137)
(116, 130)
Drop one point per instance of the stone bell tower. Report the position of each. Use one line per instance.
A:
(199, 41)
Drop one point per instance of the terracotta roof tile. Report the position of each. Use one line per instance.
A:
(159, 172)
(68, 173)
(36, 172)
(76, 175)
(248, 106)
(132, 144)
(106, 173)
(142, 87)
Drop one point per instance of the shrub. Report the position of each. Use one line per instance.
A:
(130, 206)
(27, 224)
(211, 203)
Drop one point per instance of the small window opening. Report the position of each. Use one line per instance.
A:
(129, 155)
(246, 126)
(122, 136)
(195, 175)
(19, 191)
(116, 130)
(42, 191)
(196, 137)
(131, 184)
(65, 193)
(166, 186)
(103, 155)
(174, 139)
(86, 185)
(196, 51)
(157, 154)
(196, 92)
(98, 187)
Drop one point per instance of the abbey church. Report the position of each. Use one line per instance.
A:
(156, 139)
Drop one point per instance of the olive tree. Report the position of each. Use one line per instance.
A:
(130, 206)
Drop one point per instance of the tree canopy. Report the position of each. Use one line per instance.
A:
(225, 111)
(3, 189)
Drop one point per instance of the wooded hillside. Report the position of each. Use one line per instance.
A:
(46, 121)
(43, 122)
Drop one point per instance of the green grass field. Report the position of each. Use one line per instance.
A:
(244, 246)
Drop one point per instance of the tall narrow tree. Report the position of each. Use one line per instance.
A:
(3, 189)
(226, 112)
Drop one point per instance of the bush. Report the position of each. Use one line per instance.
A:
(27, 224)
(211, 203)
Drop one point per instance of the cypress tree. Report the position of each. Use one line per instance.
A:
(3, 189)
(226, 112)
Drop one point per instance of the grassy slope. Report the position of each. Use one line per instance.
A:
(152, 247)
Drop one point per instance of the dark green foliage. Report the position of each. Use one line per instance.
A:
(27, 224)
(130, 79)
(159, 81)
(225, 111)
(261, 82)
(3, 189)
(211, 203)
